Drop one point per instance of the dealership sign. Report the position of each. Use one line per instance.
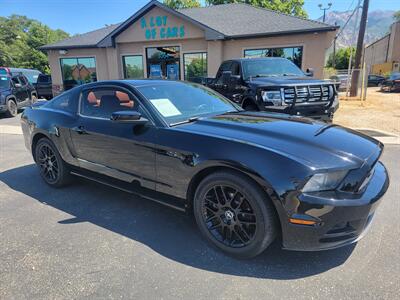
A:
(157, 28)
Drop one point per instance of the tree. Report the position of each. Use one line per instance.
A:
(178, 4)
(396, 16)
(20, 39)
(290, 7)
(341, 59)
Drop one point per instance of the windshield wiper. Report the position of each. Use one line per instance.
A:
(190, 120)
(289, 74)
(265, 75)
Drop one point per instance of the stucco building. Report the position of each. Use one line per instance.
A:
(186, 44)
(383, 55)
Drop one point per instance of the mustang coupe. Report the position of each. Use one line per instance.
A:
(248, 178)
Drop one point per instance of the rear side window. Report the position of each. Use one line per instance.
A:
(23, 80)
(62, 102)
(102, 102)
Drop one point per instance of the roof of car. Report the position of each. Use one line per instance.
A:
(243, 20)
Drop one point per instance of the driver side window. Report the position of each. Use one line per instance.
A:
(102, 102)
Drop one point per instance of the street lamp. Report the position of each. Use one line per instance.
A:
(324, 9)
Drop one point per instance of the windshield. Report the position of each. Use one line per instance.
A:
(270, 67)
(4, 82)
(183, 102)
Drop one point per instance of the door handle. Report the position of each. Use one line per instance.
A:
(79, 129)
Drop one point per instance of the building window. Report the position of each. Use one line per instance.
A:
(195, 66)
(76, 71)
(295, 54)
(133, 66)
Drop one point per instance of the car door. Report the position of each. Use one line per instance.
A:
(219, 85)
(25, 91)
(119, 150)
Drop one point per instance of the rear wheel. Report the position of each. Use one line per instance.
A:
(53, 169)
(234, 214)
(12, 108)
(251, 107)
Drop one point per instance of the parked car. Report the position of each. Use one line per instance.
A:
(392, 84)
(341, 80)
(30, 74)
(44, 86)
(375, 80)
(15, 93)
(247, 177)
(276, 85)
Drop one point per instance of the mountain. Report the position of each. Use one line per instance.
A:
(378, 25)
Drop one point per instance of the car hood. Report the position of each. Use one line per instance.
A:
(315, 144)
(287, 80)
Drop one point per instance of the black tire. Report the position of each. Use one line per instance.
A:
(251, 107)
(250, 226)
(54, 171)
(12, 108)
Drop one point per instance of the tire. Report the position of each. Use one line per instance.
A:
(251, 107)
(54, 171)
(12, 108)
(248, 213)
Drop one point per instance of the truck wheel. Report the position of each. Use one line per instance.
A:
(234, 214)
(12, 109)
(251, 107)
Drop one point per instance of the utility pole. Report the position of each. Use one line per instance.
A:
(324, 9)
(359, 50)
(334, 50)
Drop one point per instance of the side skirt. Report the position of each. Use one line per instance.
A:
(135, 189)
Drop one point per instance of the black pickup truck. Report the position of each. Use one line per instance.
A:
(276, 85)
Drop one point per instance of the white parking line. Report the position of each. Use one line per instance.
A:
(10, 129)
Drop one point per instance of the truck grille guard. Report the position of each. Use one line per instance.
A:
(306, 95)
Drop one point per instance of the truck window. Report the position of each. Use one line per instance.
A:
(224, 67)
(235, 68)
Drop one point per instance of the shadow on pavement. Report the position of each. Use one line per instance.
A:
(166, 231)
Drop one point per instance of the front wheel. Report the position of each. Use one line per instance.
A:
(12, 108)
(234, 214)
(53, 169)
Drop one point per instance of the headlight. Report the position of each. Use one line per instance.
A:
(273, 96)
(324, 181)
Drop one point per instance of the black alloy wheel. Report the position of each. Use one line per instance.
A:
(229, 217)
(48, 163)
(235, 214)
(12, 108)
(53, 169)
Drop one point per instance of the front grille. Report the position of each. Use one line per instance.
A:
(308, 94)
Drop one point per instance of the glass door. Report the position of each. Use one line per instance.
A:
(163, 62)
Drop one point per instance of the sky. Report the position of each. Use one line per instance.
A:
(80, 16)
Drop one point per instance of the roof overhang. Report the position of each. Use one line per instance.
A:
(290, 32)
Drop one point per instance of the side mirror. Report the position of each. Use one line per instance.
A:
(128, 116)
(17, 85)
(226, 77)
(310, 72)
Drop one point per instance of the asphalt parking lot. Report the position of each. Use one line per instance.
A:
(88, 240)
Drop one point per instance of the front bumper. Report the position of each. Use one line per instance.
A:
(3, 108)
(340, 220)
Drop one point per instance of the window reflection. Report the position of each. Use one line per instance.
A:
(295, 54)
(133, 66)
(76, 71)
(195, 66)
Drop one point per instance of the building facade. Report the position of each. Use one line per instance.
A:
(383, 56)
(187, 44)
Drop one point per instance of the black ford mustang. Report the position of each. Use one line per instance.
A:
(248, 177)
